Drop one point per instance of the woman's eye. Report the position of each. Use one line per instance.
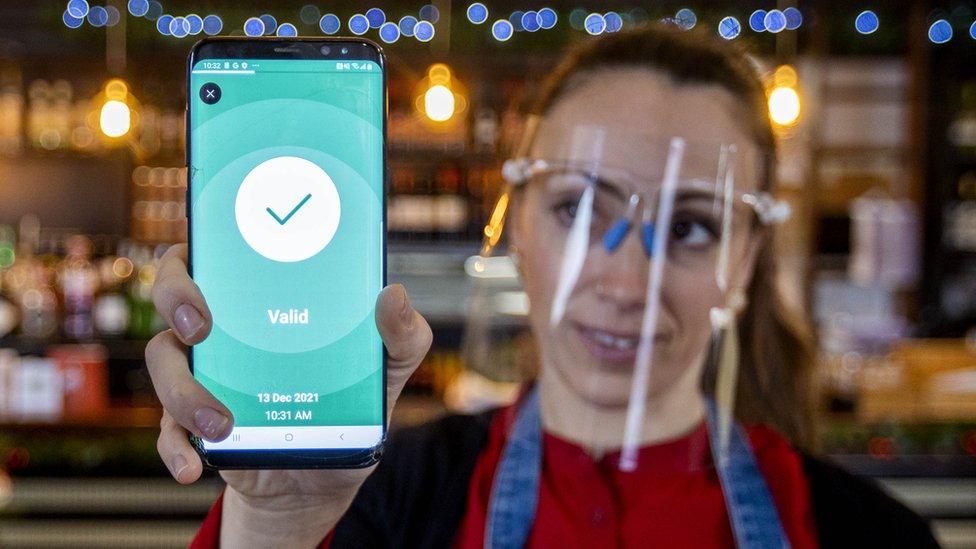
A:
(566, 212)
(692, 233)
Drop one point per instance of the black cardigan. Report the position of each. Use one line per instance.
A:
(417, 495)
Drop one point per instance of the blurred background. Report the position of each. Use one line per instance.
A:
(874, 102)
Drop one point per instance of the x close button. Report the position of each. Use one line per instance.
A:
(210, 93)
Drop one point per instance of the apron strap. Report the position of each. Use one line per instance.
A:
(515, 491)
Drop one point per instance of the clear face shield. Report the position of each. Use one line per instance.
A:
(633, 253)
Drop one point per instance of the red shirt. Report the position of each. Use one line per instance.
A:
(673, 498)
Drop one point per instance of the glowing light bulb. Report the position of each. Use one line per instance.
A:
(115, 118)
(784, 106)
(439, 103)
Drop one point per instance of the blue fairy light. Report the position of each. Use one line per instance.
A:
(866, 22)
(389, 32)
(162, 24)
(138, 8)
(97, 16)
(424, 31)
(77, 8)
(358, 24)
(376, 17)
(548, 18)
(113, 16)
(254, 26)
(757, 21)
(577, 18)
(972, 30)
(287, 30)
(775, 21)
(270, 23)
(794, 18)
(71, 21)
(686, 19)
(309, 14)
(212, 24)
(196, 23)
(530, 21)
(329, 23)
(940, 32)
(594, 24)
(729, 28)
(516, 19)
(502, 30)
(155, 10)
(407, 25)
(179, 27)
(613, 21)
(477, 13)
(430, 13)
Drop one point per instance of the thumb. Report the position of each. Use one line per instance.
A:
(406, 335)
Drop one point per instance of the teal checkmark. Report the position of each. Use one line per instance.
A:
(282, 221)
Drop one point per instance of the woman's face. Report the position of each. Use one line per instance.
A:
(593, 348)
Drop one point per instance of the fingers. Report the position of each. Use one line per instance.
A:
(177, 453)
(405, 333)
(178, 299)
(183, 398)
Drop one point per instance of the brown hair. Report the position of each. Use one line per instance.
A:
(774, 382)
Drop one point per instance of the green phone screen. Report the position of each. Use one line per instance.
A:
(286, 233)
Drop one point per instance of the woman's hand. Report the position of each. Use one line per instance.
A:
(261, 508)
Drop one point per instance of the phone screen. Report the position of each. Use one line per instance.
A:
(286, 234)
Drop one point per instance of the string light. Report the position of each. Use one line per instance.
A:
(138, 8)
(784, 99)
(389, 32)
(430, 13)
(376, 17)
(155, 10)
(407, 24)
(594, 24)
(97, 16)
(477, 13)
(729, 28)
(254, 26)
(530, 21)
(613, 21)
(212, 24)
(287, 30)
(329, 23)
(309, 14)
(866, 22)
(794, 18)
(270, 23)
(686, 19)
(71, 21)
(196, 23)
(774, 21)
(502, 30)
(77, 8)
(162, 24)
(516, 19)
(179, 27)
(548, 18)
(424, 31)
(757, 21)
(358, 24)
(940, 32)
(972, 30)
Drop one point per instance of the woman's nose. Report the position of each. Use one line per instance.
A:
(623, 273)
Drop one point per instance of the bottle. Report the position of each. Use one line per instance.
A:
(78, 283)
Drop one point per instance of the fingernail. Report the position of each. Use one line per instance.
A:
(406, 310)
(210, 422)
(178, 466)
(188, 321)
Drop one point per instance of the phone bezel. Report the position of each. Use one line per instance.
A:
(289, 48)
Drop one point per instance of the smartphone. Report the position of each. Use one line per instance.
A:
(286, 168)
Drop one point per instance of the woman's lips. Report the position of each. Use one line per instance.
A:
(610, 347)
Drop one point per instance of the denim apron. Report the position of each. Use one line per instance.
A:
(515, 492)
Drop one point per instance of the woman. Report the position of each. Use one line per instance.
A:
(438, 485)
